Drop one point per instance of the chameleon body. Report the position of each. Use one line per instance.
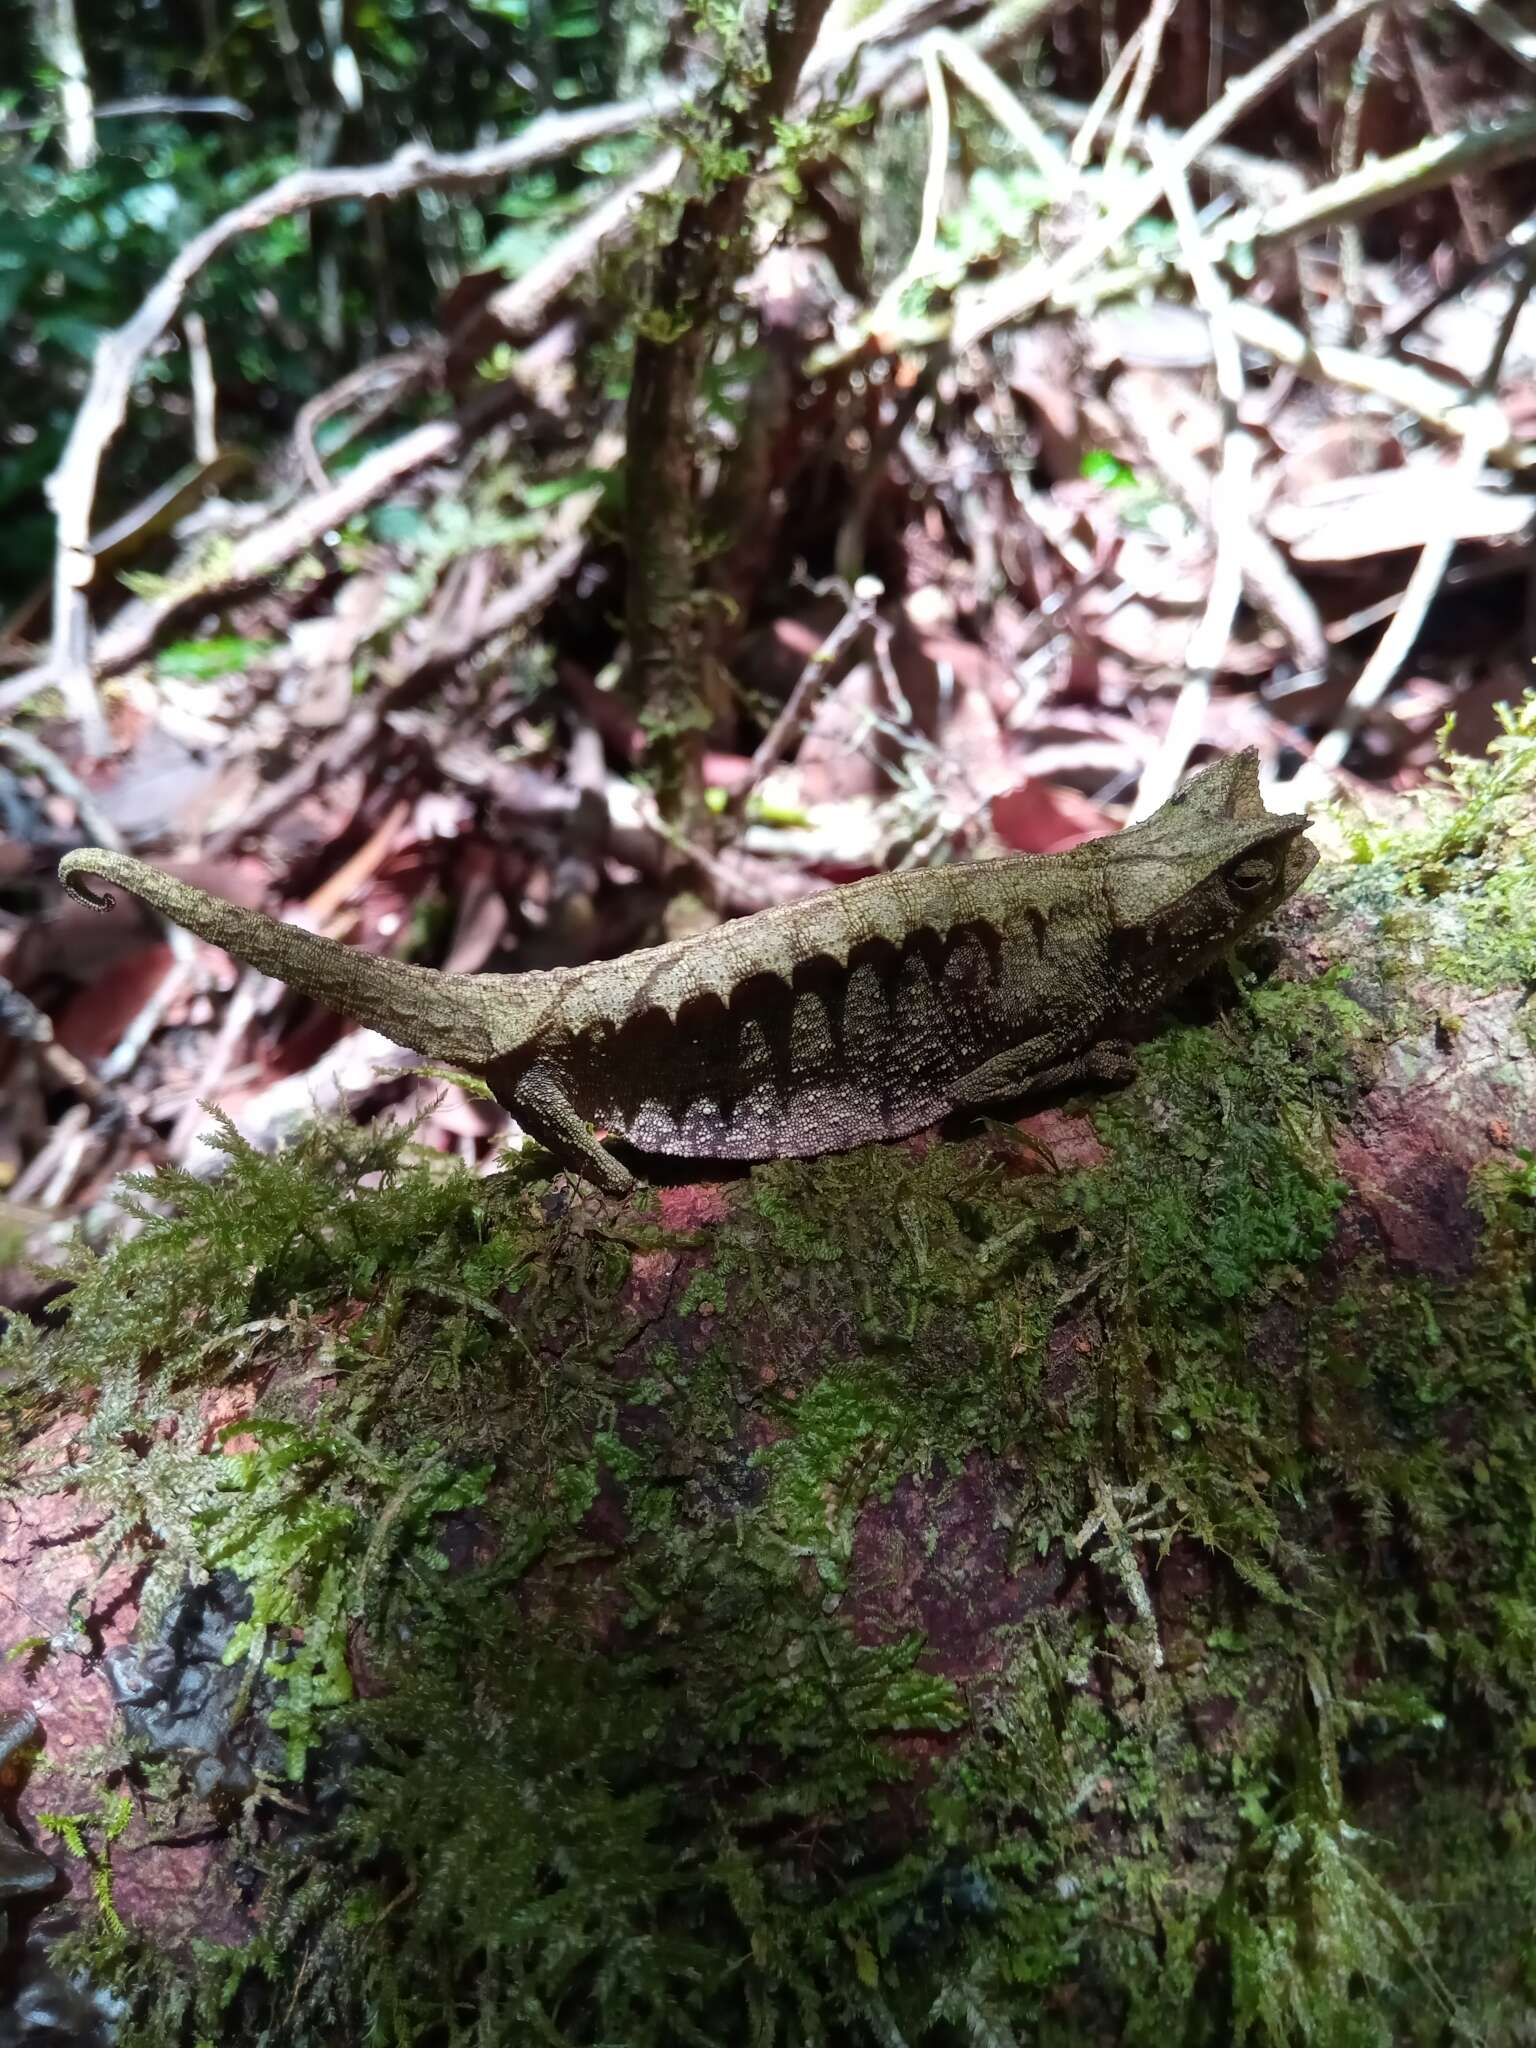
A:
(864, 1013)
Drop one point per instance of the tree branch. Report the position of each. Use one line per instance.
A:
(668, 644)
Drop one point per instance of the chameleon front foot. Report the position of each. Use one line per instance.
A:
(1030, 1070)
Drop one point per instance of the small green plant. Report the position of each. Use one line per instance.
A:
(76, 1832)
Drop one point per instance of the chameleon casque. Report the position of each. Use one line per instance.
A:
(866, 1012)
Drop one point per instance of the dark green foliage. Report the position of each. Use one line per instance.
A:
(306, 298)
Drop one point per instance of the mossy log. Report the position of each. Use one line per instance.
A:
(1071, 1581)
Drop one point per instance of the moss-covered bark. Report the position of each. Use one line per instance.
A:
(1075, 1582)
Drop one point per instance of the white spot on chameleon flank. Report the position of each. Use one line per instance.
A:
(754, 1055)
(652, 1127)
(811, 1050)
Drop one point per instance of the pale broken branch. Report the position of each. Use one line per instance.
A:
(1013, 297)
(1396, 643)
(119, 356)
(1155, 22)
(818, 672)
(1231, 502)
(1499, 24)
(1475, 148)
(276, 542)
(205, 394)
(1485, 424)
(1007, 110)
(1093, 119)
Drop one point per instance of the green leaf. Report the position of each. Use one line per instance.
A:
(199, 661)
(536, 496)
(1099, 466)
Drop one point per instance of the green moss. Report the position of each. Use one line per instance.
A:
(1465, 861)
(849, 1429)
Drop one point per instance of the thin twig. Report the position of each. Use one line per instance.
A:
(837, 45)
(1351, 242)
(267, 548)
(1105, 97)
(1011, 298)
(205, 432)
(47, 1177)
(53, 771)
(1441, 110)
(848, 551)
(1501, 25)
(1272, 586)
(813, 678)
(1478, 148)
(20, 1018)
(1433, 400)
(119, 110)
(1126, 123)
(119, 355)
(1007, 110)
(382, 382)
(72, 488)
(145, 1022)
(1396, 328)
(1486, 423)
(1396, 643)
(1259, 178)
(1231, 507)
(925, 249)
(520, 306)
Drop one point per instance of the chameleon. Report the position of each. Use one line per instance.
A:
(867, 1012)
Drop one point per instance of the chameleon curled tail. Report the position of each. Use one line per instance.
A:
(445, 1016)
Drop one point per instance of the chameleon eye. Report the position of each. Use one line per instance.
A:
(1250, 877)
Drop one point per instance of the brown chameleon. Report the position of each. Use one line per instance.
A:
(867, 1012)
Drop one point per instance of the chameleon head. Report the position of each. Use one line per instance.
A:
(1186, 884)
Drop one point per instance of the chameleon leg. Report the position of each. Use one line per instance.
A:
(1028, 1070)
(542, 1108)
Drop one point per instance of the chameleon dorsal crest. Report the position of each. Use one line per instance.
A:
(864, 1013)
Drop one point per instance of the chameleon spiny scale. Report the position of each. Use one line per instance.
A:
(866, 1012)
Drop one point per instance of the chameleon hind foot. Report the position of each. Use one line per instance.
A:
(545, 1112)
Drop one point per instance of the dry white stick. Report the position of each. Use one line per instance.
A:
(1351, 242)
(522, 303)
(205, 432)
(1434, 400)
(1231, 499)
(1012, 297)
(1485, 426)
(836, 47)
(266, 547)
(119, 355)
(145, 1022)
(1271, 584)
(46, 763)
(1476, 148)
(1506, 31)
(1105, 97)
(926, 248)
(1158, 17)
(1007, 110)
